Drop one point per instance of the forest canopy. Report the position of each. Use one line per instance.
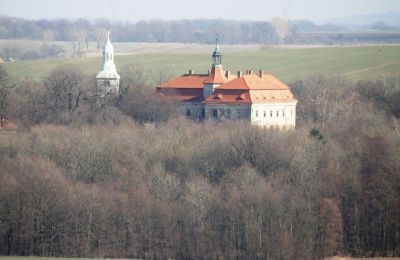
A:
(83, 177)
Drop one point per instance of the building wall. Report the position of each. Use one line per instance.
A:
(209, 89)
(267, 115)
(193, 110)
(280, 115)
(224, 112)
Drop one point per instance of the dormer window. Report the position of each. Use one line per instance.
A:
(241, 97)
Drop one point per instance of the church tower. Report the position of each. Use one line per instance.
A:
(216, 77)
(108, 78)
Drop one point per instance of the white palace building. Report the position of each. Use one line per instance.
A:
(219, 95)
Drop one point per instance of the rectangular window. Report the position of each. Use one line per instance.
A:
(277, 113)
(228, 113)
(188, 112)
(265, 113)
(270, 113)
(239, 114)
(215, 113)
(203, 113)
(283, 113)
(257, 113)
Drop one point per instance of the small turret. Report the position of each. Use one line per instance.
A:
(108, 78)
(216, 57)
(216, 77)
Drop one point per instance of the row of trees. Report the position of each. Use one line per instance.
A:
(202, 31)
(105, 186)
(25, 50)
(199, 31)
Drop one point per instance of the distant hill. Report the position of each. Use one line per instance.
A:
(391, 18)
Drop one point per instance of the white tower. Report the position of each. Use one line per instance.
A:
(108, 78)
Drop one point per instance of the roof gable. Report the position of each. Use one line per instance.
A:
(237, 83)
(216, 76)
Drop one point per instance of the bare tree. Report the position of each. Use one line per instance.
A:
(65, 91)
(5, 86)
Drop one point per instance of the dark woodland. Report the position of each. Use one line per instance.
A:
(83, 177)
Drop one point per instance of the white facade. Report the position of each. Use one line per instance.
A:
(274, 115)
(265, 115)
(108, 78)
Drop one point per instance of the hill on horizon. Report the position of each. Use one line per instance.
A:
(392, 18)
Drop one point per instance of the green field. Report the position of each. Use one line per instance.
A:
(353, 63)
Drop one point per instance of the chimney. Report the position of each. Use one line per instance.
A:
(260, 73)
(250, 72)
(239, 74)
(191, 72)
(208, 72)
(227, 74)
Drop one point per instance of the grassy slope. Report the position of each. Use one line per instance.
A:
(354, 63)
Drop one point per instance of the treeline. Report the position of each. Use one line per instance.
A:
(193, 31)
(84, 178)
(80, 32)
(199, 31)
(26, 50)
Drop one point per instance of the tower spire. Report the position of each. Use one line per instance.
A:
(216, 57)
(108, 77)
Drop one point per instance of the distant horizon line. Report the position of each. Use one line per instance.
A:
(113, 20)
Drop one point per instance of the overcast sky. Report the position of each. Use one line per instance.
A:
(135, 10)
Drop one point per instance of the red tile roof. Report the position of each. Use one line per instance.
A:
(186, 81)
(229, 96)
(253, 81)
(182, 94)
(216, 76)
(250, 88)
